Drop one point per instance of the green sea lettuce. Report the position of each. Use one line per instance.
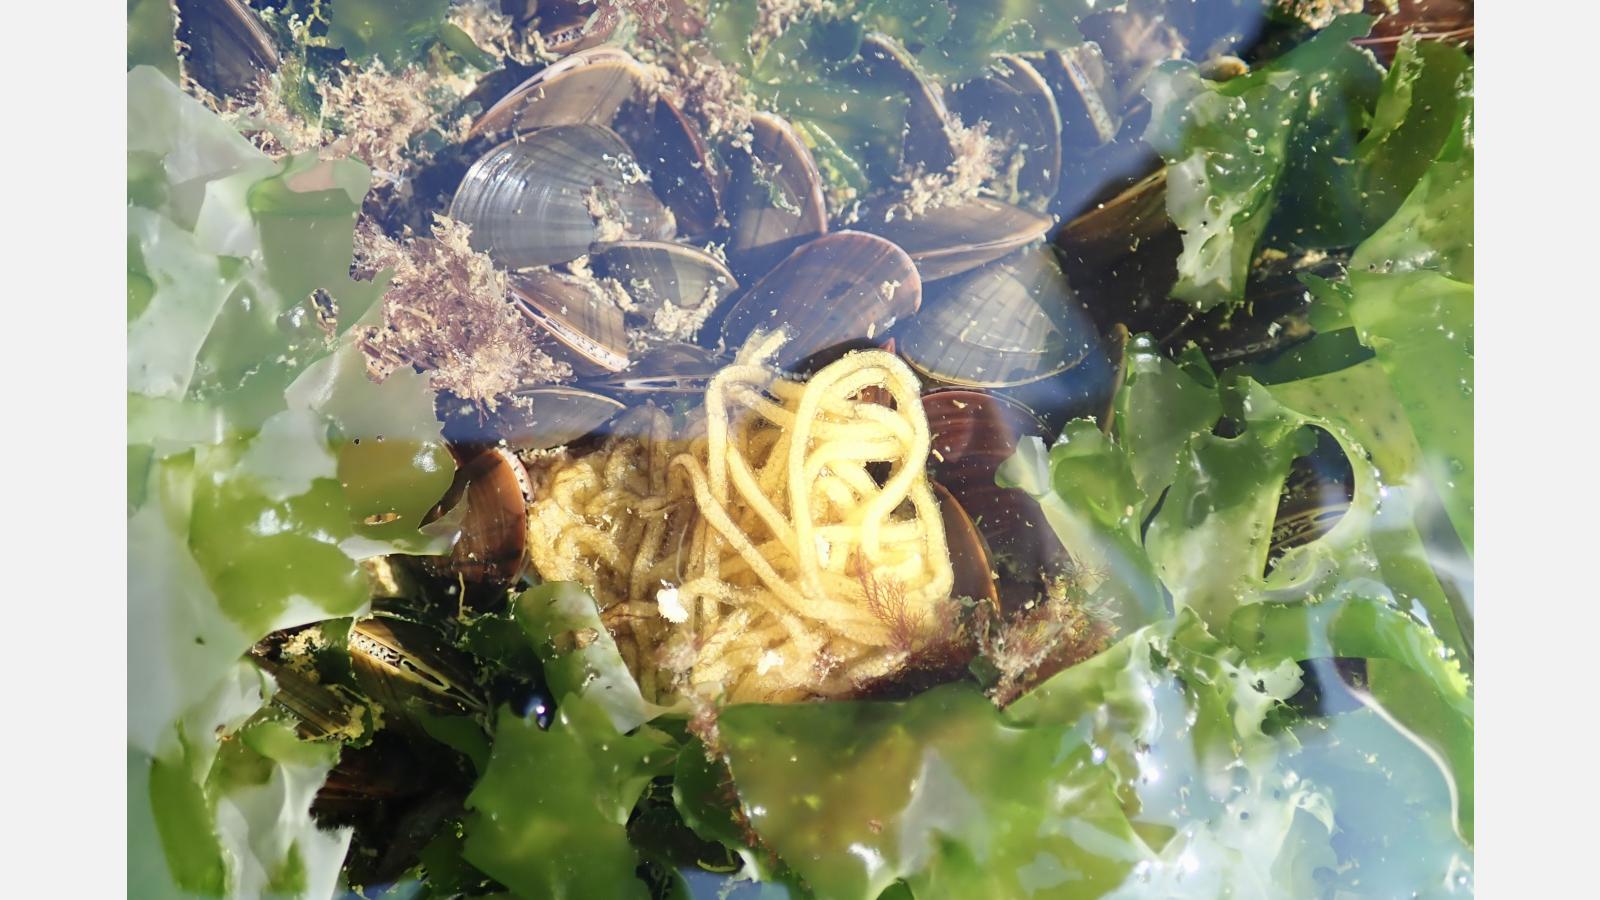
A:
(1316, 149)
(578, 655)
(1083, 788)
(1229, 147)
(244, 515)
(549, 812)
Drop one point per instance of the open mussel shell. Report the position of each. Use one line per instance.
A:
(1014, 321)
(775, 199)
(226, 48)
(587, 327)
(494, 531)
(686, 175)
(530, 419)
(401, 665)
(928, 142)
(674, 368)
(1021, 111)
(662, 272)
(586, 88)
(841, 287)
(545, 197)
(954, 239)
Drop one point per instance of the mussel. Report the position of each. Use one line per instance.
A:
(546, 197)
(401, 664)
(843, 286)
(587, 328)
(1020, 109)
(927, 144)
(1315, 496)
(586, 88)
(674, 368)
(494, 533)
(974, 432)
(662, 275)
(775, 198)
(533, 418)
(226, 48)
(951, 240)
(1011, 322)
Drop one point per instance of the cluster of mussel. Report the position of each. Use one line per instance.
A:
(588, 166)
(587, 172)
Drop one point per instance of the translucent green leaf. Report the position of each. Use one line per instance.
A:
(562, 836)
(152, 38)
(1160, 407)
(1431, 231)
(395, 30)
(1411, 675)
(1426, 92)
(1088, 494)
(1103, 781)
(938, 791)
(579, 655)
(1420, 325)
(1210, 538)
(1361, 401)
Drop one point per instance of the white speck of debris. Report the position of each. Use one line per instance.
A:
(770, 660)
(670, 607)
(822, 550)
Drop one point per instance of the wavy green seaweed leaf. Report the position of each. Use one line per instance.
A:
(562, 836)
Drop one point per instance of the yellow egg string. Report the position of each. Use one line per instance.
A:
(781, 561)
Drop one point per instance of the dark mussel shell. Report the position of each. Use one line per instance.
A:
(321, 711)
(1315, 496)
(928, 143)
(841, 287)
(1011, 322)
(662, 272)
(586, 88)
(1080, 80)
(531, 419)
(587, 326)
(775, 199)
(529, 201)
(1120, 225)
(954, 239)
(1274, 317)
(969, 557)
(974, 432)
(668, 369)
(401, 664)
(1450, 21)
(494, 532)
(569, 26)
(227, 47)
(1123, 251)
(687, 176)
(1021, 111)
